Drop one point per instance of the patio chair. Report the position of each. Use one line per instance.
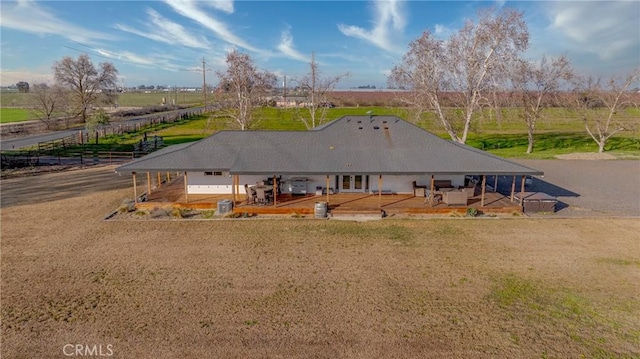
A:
(262, 197)
(432, 198)
(250, 193)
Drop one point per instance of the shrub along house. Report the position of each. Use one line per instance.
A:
(353, 154)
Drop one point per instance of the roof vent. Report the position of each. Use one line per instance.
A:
(359, 121)
(360, 128)
(376, 127)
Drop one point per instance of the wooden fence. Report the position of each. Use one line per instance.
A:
(20, 159)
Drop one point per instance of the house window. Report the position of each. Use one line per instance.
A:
(213, 173)
(208, 173)
(217, 173)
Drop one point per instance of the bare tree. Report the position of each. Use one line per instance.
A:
(47, 102)
(85, 81)
(536, 87)
(600, 104)
(315, 90)
(243, 87)
(461, 69)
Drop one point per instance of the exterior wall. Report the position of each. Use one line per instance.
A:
(199, 183)
(404, 184)
(456, 180)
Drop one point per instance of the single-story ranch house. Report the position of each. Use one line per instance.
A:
(366, 155)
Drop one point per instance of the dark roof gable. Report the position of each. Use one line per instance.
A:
(351, 144)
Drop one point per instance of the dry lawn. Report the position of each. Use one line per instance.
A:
(456, 288)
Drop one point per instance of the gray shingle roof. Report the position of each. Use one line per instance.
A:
(351, 144)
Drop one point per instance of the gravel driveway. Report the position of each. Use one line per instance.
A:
(589, 188)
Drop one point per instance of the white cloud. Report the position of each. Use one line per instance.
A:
(163, 30)
(27, 16)
(191, 10)
(608, 30)
(222, 5)
(389, 21)
(287, 48)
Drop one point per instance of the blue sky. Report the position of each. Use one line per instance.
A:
(162, 42)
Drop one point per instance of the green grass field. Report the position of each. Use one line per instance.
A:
(504, 133)
(566, 137)
(15, 115)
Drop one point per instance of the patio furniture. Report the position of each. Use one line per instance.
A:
(534, 202)
(432, 198)
(442, 184)
(251, 194)
(264, 194)
(419, 191)
(455, 198)
(469, 190)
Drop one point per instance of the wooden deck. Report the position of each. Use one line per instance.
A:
(172, 195)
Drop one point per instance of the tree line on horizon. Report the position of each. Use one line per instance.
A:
(481, 66)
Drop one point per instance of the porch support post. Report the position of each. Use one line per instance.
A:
(233, 189)
(159, 179)
(135, 189)
(148, 183)
(237, 188)
(275, 190)
(522, 192)
(513, 188)
(433, 185)
(380, 191)
(495, 183)
(168, 177)
(186, 188)
(484, 187)
(327, 188)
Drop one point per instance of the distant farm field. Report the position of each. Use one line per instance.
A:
(300, 288)
(15, 115)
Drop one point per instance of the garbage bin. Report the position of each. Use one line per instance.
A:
(225, 206)
(321, 210)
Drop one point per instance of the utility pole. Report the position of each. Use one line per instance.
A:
(204, 83)
(284, 91)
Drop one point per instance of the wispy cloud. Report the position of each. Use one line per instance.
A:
(222, 5)
(287, 48)
(608, 30)
(389, 21)
(27, 16)
(191, 10)
(164, 30)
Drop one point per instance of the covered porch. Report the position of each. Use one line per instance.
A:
(173, 194)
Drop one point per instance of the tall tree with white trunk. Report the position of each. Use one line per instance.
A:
(243, 87)
(600, 105)
(315, 89)
(536, 86)
(458, 72)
